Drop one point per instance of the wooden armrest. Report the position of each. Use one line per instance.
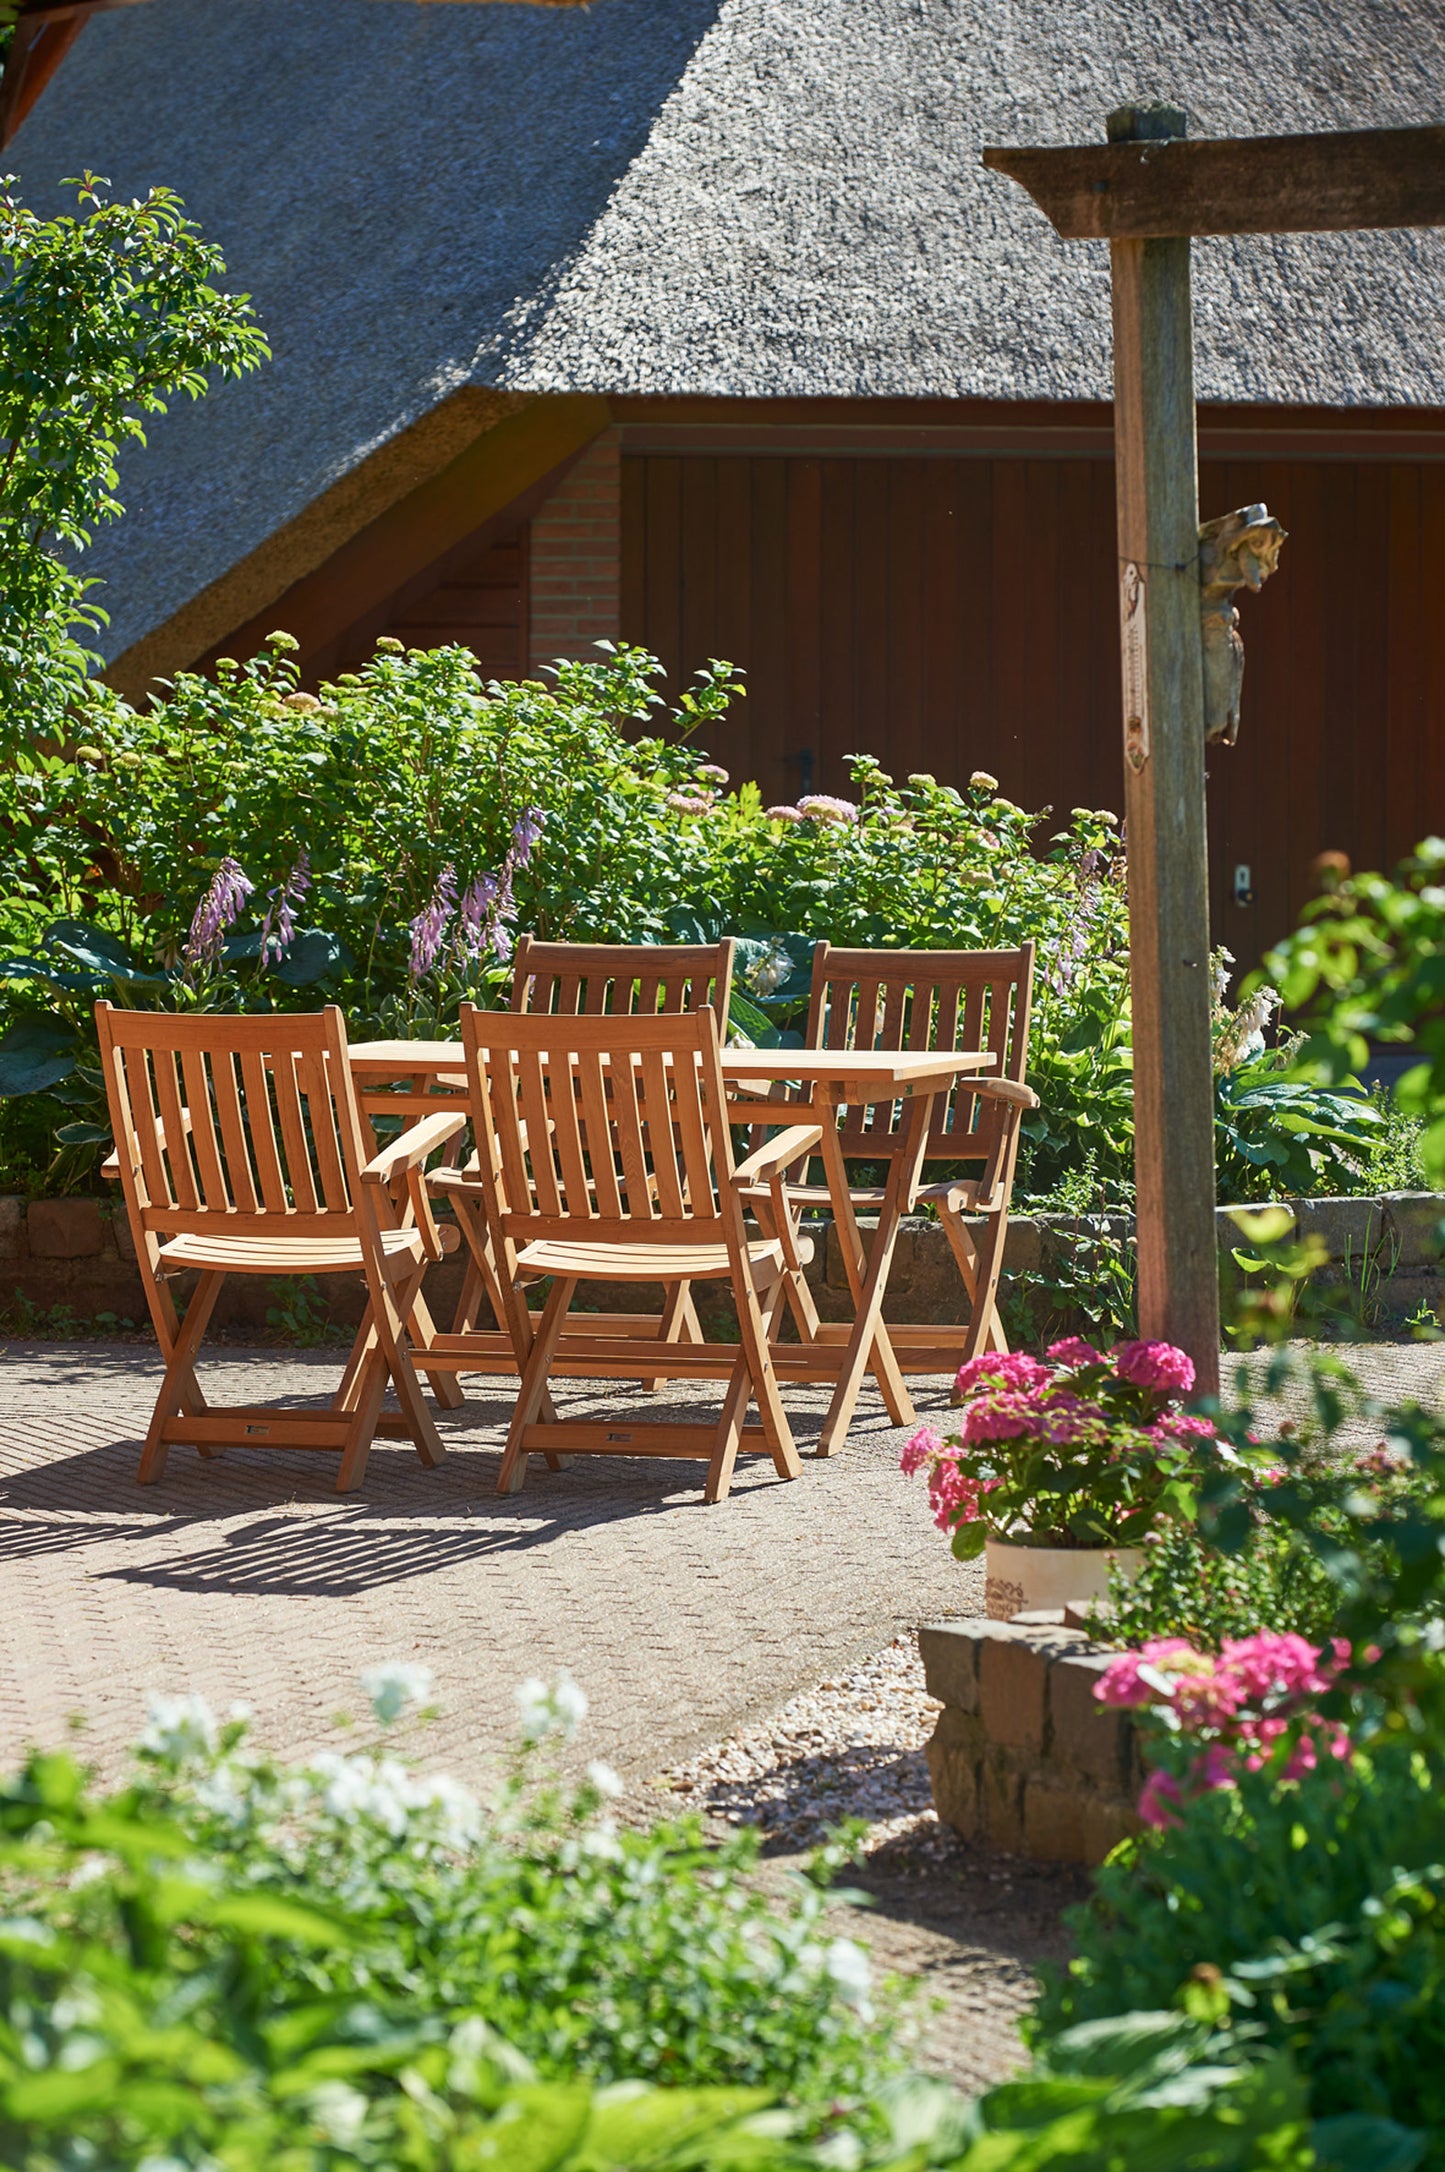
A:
(1002, 1089)
(110, 1167)
(773, 1158)
(412, 1147)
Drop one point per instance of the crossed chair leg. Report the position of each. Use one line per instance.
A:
(182, 1416)
(751, 1377)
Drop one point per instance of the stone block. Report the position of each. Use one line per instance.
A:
(1002, 1801)
(1350, 1228)
(12, 1226)
(1023, 1246)
(949, 1651)
(1054, 1820)
(1012, 1677)
(1413, 1220)
(1083, 1734)
(120, 1231)
(955, 1754)
(1107, 1819)
(64, 1228)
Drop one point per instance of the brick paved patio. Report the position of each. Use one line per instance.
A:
(249, 1578)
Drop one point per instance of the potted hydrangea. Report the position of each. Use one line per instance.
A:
(1059, 1466)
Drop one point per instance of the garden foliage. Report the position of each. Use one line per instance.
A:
(104, 317)
(1293, 1884)
(1368, 964)
(241, 842)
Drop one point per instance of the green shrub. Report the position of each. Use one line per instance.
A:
(224, 1939)
(1320, 1902)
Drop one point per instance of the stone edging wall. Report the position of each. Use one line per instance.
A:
(77, 1252)
(1023, 1757)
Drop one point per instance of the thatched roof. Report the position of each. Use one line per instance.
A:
(745, 197)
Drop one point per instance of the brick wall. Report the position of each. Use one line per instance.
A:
(576, 557)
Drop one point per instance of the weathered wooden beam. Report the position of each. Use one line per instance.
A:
(1331, 183)
(1158, 525)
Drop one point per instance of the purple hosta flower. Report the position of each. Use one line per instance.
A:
(475, 915)
(482, 920)
(279, 925)
(526, 831)
(219, 909)
(823, 807)
(428, 930)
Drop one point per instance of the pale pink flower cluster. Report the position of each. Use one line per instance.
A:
(1237, 1705)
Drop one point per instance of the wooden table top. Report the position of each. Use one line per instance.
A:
(890, 1073)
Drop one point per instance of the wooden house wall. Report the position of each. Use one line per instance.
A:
(956, 610)
(476, 595)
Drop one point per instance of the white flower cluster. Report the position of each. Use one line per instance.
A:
(555, 1709)
(394, 1686)
(767, 974)
(382, 1790)
(180, 1728)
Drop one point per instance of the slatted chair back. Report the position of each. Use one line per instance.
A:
(545, 1091)
(234, 1126)
(594, 980)
(926, 999)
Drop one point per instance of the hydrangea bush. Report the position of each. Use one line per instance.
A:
(1081, 1449)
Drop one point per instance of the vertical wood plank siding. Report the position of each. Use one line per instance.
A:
(958, 613)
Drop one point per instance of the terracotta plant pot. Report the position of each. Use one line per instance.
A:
(1028, 1579)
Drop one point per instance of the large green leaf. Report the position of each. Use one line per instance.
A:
(36, 1053)
(313, 955)
(99, 954)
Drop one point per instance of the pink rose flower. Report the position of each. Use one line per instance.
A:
(1155, 1365)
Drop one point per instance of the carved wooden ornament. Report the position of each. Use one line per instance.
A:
(1239, 550)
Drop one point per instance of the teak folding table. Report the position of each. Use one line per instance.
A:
(786, 1085)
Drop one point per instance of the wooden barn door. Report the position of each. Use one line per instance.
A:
(958, 612)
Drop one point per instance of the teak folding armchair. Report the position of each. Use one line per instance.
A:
(591, 980)
(241, 1151)
(934, 999)
(605, 1154)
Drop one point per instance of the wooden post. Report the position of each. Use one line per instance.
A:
(1158, 514)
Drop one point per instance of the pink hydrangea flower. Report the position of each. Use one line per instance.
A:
(1120, 1683)
(953, 1494)
(1272, 1664)
(1001, 1368)
(1073, 1350)
(1179, 1425)
(1160, 1802)
(1001, 1417)
(922, 1448)
(1155, 1365)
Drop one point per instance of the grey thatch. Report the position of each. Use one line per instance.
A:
(745, 197)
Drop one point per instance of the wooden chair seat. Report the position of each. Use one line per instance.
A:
(654, 1262)
(294, 1255)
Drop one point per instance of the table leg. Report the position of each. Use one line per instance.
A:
(868, 1278)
